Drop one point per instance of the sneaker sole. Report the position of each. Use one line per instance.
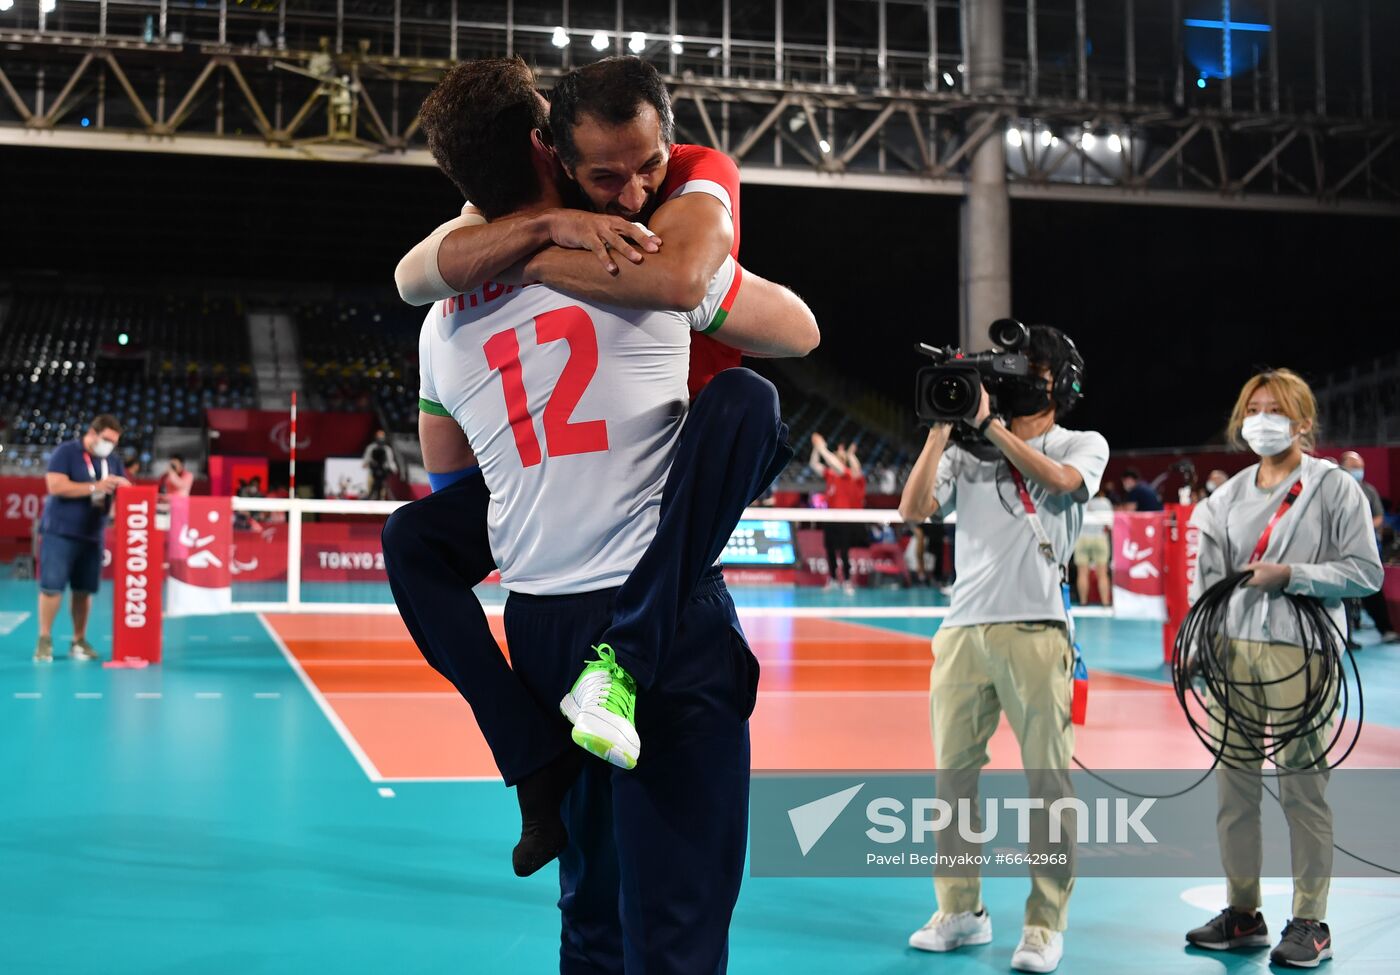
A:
(604, 749)
(598, 740)
(980, 938)
(1027, 965)
(1253, 941)
(1322, 956)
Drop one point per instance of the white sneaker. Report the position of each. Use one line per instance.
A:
(601, 707)
(1040, 950)
(944, 932)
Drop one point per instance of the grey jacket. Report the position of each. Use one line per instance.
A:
(1326, 539)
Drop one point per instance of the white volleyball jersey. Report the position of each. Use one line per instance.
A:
(573, 410)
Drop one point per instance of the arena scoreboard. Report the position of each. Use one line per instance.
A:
(761, 543)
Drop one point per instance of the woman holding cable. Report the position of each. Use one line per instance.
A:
(1299, 526)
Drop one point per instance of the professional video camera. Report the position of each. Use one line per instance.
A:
(950, 391)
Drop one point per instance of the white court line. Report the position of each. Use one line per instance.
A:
(413, 695)
(794, 693)
(88, 696)
(207, 695)
(778, 662)
(386, 793)
(336, 662)
(266, 696)
(148, 695)
(446, 778)
(367, 766)
(9, 622)
(27, 695)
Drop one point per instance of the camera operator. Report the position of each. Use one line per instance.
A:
(380, 461)
(1004, 645)
(83, 475)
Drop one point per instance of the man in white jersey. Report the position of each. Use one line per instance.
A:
(575, 412)
(1004, 645)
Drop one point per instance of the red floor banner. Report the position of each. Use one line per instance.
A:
(201, 537)
(1179, 571)
(138, 564)
(1138, 550)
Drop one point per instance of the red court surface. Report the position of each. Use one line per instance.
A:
(834, 695)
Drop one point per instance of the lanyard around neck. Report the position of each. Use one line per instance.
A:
(92, 471)
(1042, 538)
(1268, 532)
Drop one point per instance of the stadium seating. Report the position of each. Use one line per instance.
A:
(160, 360)
(362, 355)
(150, 360)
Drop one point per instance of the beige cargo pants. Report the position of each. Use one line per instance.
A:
(1026, 671)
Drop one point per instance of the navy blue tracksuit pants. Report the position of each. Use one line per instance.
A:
(732, 447)
(655, 858)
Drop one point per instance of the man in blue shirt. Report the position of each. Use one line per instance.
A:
(82, 477)
(1138, 496)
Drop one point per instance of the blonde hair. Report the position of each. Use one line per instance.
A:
(1295, 399)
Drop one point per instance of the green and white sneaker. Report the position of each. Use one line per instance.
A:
(601, 707)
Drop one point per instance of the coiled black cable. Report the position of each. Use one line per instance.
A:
(1247, 729)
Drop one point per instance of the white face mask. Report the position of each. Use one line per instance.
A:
(1268, 434)
(103, 448)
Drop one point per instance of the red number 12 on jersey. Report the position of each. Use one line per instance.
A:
(562, 436)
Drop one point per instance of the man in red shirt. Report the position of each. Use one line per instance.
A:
(178, 479)
(845, 489)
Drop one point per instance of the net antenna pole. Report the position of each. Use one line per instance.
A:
(293, 518)
(292, 450)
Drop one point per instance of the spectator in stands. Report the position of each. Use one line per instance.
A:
(1214, 480)
(1138, 495)
(845, 489)
(177, 480)
(1374, 604)
(83, 475)
(1092, 550)
(379, 460)
(889, 483)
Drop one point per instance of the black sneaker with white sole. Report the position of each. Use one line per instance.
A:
(1305, 944)
(1231, 929)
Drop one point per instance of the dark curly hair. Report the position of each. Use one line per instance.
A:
(478, 122)
(613, 91)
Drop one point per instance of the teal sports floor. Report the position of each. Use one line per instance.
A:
(207, 816)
